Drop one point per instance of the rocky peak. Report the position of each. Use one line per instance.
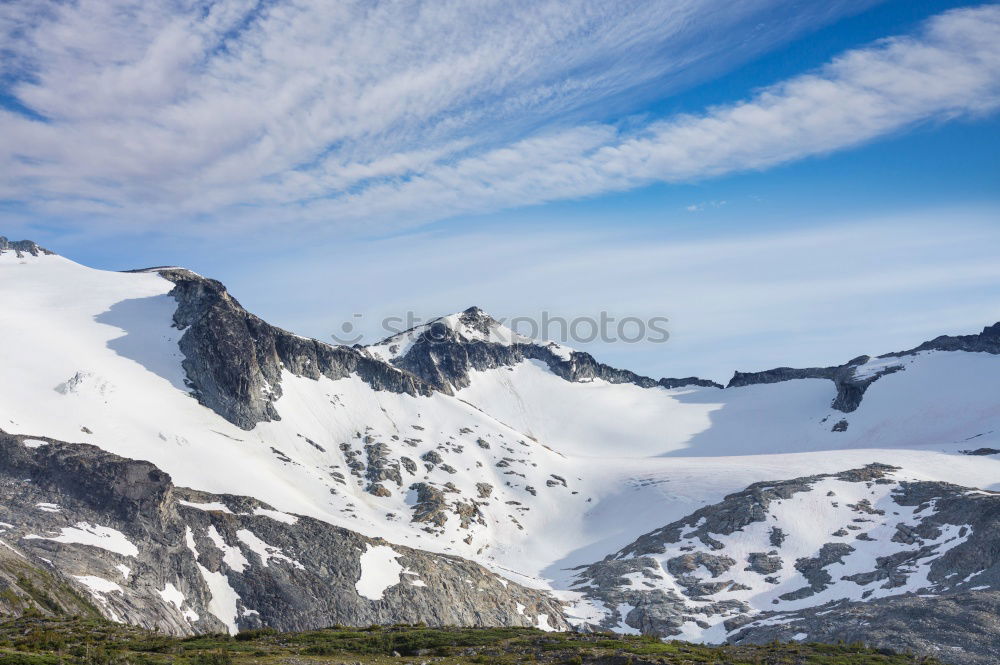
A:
(444, 351)
(234, 360)
(22, 247)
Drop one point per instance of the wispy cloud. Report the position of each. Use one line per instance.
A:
(239, 113)
(703, 205)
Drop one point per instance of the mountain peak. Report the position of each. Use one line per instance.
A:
(470, 325)
(22, 247)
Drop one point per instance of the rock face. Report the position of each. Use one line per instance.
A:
(852, 380)
(877, 548)
(988, 341)
(442, 355)
(99, 531)
(850, 387)
(955, 628)
(22, 247)
(234, 360)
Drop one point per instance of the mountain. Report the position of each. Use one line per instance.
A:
(177, 462)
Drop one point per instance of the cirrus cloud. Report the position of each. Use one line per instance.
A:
(378, 115)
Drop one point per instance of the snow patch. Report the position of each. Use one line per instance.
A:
(224, 602)
(93, 535)
(231, 556)
(263, 550)
(213, 506)
(379, 571)
(98, 584)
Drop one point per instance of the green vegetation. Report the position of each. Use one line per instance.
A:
(36, 640)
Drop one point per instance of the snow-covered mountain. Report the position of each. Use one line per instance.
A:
(570, 492)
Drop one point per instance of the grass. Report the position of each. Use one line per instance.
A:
(35, 640)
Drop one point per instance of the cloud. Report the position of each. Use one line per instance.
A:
(356, 115)
(698, 207)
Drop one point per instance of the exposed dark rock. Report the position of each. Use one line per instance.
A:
(988, 341)
(431, 505)
(850, 389)
(22, 247)
(763, 563)
(233, 359)
(952, 540)
(381, 467)
(960, 628)
(296, 573)
(814, 569)
(981, 451)
(443, 358)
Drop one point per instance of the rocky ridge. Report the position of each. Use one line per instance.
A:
(22, 247)
(852, 381)
(443, 353)
(234, 359)
(750, 570)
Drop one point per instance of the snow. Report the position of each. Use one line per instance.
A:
(399, 345)
(48, 507)
(212, 506)
(124, 570)
(224, 601)
(189, 541)
(634, 459)
(34, 443)
(93, 535)
(171, 594)
(263, 550)
(231, 556)
(876, 365)
(379, 571)
(542, 623)
(98, 584)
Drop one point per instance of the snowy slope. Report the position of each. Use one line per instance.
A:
(521, 469)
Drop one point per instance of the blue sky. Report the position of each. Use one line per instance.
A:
(791, 183)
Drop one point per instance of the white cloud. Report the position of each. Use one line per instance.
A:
(951, 69)
(235, 111)
(698, 207)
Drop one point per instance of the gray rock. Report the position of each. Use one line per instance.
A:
(295, 573)
(22, 247)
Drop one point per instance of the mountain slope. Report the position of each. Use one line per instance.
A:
(158, 556)
(457, 437)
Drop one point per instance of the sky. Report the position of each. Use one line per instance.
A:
(786, 182)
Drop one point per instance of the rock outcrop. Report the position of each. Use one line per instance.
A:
(22, 247)
(442, 356)
(878, 548)
(95, 530)
(234, 360)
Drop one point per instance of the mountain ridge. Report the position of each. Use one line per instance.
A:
(523, 462)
